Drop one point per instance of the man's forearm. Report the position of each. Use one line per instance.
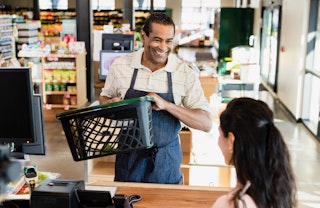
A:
(194, 118)
(104, 99)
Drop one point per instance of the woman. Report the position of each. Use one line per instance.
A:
(251, 143)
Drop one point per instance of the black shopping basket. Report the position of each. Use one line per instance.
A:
(108, 129)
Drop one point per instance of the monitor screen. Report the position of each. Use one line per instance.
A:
(106, 59)
(21, 120)
(122, 42)
(16, 107)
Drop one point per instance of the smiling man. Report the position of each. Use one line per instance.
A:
(178, 96)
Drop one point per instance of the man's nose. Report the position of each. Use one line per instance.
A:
(163, 45)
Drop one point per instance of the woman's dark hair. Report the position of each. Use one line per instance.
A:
(157, 17)
(260, 154)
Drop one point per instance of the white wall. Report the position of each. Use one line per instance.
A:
(176, 11)
(295, 18)
(228, 3)
(256, 4)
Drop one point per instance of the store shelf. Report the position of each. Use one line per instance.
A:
(65, 107)
(51, 21)
(63, 80)
(6, 40)
(6, 50)
(230, 88)
(27, 33)
(59, 93)
(64, 76)
(114, 17)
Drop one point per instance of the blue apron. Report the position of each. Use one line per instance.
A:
(160, 164)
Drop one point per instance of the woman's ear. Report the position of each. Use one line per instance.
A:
(231, 139)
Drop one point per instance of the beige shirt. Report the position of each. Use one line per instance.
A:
(187, 89)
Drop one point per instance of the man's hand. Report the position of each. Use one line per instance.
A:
(194, 118)
(105, 100)
(159, 102)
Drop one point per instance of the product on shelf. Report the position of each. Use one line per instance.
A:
(64, 75)
(51, 21)
(72, 76)
(27, 33)
(6, 39)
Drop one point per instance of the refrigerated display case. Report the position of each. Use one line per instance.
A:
(236, 27)
(270, 38)
(311, 84)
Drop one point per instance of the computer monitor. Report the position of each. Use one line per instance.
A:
(122, 42)
(38, 146)
(21, 119)
(106, 59)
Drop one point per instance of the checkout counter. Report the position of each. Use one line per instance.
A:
(152, 196)
(163, 195)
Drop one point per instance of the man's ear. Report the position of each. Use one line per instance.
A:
(231, 139)
(142, 34)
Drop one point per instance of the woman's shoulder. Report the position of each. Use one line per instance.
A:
(249, 201)
(226, 201)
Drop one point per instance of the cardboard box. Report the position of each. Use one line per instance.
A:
(186, 145)
(209, 85)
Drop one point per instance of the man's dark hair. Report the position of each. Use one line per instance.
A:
(157, 17)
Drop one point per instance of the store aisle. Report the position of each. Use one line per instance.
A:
(58, 158)
(305, 155)
(304, 149)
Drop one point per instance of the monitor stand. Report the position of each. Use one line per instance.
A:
(19, 156)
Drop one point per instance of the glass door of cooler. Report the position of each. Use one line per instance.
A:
(270, 36)
(311, 89)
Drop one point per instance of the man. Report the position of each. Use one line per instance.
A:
(178, 96)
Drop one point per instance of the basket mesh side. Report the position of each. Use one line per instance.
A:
(109, 131)
(101, 136)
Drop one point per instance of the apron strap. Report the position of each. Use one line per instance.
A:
(169, 82)
(134, 77)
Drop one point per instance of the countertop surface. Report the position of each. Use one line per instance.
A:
(165, 195)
